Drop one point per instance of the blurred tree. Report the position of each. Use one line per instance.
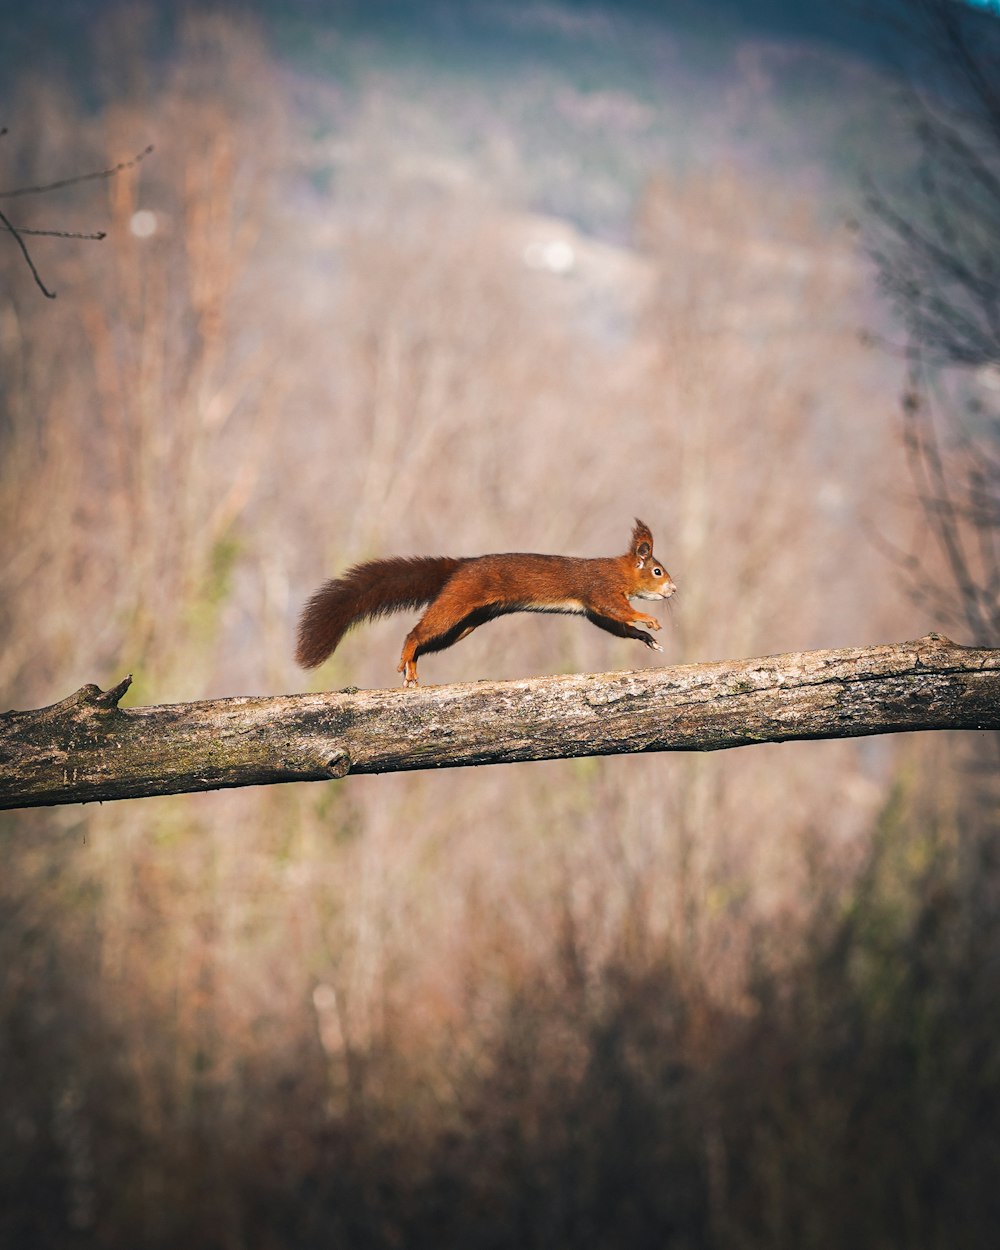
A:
(937, 247)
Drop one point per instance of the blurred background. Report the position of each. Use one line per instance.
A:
(467, 277)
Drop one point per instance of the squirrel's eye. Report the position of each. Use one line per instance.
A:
(657, 571)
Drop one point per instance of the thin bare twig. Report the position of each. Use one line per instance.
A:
(42, 188)
(96, 235)
(27, 257)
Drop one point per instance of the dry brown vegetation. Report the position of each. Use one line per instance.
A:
(740, 1000)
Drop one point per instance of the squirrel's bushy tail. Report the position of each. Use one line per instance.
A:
(366, 591)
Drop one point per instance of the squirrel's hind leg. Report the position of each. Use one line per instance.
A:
(409, 675)
(408, 665)
(441, 626)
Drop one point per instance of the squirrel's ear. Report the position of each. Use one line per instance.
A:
(642, 542)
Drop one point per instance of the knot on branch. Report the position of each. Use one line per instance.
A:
(93, 696)
(88, 698)
(337, 765)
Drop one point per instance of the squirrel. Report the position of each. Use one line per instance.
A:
(464, 593)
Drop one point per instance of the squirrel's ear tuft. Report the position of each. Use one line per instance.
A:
(642, 541)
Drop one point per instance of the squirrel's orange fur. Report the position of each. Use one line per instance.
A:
(464, 593)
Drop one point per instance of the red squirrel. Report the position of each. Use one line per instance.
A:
(465, 593)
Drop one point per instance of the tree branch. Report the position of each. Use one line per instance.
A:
(87, 748)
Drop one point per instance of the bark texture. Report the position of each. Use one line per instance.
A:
(88, 748)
